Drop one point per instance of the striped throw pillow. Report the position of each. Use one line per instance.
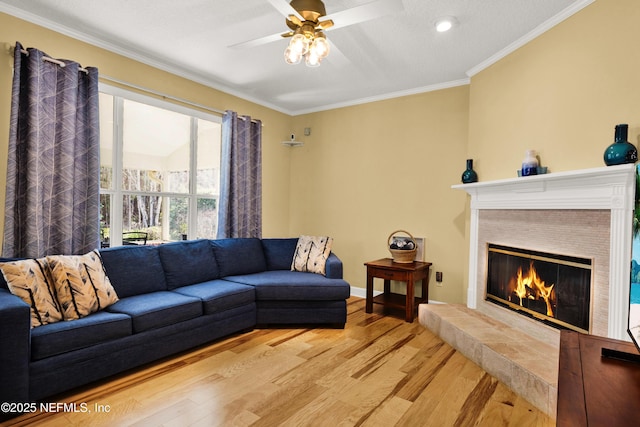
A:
(311, 254)
(82, 286)
(30, 281)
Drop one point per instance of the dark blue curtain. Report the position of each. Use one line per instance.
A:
(240, 208)
(52, 193)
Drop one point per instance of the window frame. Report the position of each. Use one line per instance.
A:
(117, 193)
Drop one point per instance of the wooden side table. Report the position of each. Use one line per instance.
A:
(410, 273)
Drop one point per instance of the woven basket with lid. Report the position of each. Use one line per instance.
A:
(402, 256)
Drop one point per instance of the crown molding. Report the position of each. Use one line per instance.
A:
(385, 96)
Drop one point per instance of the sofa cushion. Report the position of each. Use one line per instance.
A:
(157, 309)
(134, 270)
(294, 285)
(30, 280)
(279, 253)
(62, 337)
(311, 254)
(188, 262)
(239, 256)
(82, 286)
(219, 295)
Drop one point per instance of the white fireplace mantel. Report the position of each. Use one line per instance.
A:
(609, 188)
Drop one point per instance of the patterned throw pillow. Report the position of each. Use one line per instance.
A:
(81, 283)
(311, 254)
(30, 281)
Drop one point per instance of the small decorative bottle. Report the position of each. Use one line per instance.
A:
(469, 175)
(621, 151)
(529, 164)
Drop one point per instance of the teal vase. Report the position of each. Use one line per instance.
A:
(469, 175)
(621, 151)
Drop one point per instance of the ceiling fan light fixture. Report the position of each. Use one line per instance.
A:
(320, 45)
(307, 36)
(299, 43)
(445, 23)
(313, 46)
(291, 56)
(311, 59)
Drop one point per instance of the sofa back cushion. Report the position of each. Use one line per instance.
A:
(188, 262)
(279, 253)
(134, 270)
(239, 256)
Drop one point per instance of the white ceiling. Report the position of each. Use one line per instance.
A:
(398, 54)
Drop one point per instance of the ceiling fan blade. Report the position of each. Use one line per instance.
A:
(259, 41)
(285, 8)
(365, 12)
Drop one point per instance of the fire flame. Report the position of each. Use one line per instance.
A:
(531, 286)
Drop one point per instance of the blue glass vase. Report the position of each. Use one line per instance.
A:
(469, 175)
(621, 151)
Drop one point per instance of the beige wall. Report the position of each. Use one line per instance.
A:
(276, 125)
(368, 170)
(561, 94)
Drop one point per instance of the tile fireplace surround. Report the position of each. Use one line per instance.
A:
(586, 213)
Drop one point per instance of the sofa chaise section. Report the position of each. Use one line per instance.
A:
(284, 296)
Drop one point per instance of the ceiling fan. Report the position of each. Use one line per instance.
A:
(308, 20)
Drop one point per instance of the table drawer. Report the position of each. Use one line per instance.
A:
(388, 274)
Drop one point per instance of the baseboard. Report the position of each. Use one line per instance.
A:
(362, 293)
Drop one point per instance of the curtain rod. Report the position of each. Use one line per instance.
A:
(140, 88)
(159, 94)
(54, 61)
(166, 96)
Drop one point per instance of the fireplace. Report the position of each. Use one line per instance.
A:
(587, 212)
(551, 288)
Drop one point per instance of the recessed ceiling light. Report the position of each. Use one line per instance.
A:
(445, 23)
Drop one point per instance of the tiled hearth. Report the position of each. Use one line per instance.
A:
(525, 364)
(586, 213)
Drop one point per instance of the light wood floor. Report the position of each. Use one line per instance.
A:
(378, 371)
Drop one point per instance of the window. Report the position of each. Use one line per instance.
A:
(159, 170)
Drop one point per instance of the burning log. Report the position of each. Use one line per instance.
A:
(532, 287)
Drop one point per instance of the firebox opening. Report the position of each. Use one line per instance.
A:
(554, 289)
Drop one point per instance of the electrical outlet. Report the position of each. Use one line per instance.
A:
(439, 276)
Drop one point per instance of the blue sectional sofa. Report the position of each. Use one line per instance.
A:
(172, 297)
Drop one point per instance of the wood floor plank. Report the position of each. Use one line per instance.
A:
(476, 401)
(387, 414)
(497, 412)
(420, 376)
(425, 405)
(322, 411)
(378, 371)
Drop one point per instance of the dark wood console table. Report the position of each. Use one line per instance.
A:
(595, 390)
(410, 273)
